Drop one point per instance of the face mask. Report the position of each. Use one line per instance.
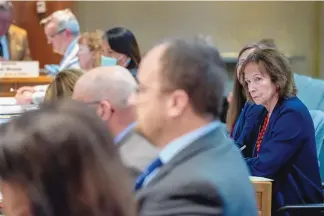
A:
(127, 62)
(108, 61)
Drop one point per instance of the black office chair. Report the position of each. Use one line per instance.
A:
(307, 209)
(315, 209)
(224, 110)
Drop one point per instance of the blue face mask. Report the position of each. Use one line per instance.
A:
(127, 62)
(108, 61)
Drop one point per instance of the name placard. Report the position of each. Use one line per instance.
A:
(19, 69)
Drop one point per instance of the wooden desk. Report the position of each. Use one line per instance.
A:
(6, 84)
(264, 197)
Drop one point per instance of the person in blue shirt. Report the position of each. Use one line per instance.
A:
(285, 149)
(62, 31)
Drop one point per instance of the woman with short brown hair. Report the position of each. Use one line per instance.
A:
(240, 110)
(277, 66)
(285, 149)
(90, 50)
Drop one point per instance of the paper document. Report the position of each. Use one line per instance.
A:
(7, 101)
(16, 109)
(259, 179)
(242, 148)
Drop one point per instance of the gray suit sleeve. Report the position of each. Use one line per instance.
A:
(189, 199)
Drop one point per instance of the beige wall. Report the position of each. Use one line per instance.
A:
(294, 25)
(321, 43)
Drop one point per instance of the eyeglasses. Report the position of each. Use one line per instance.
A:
(53, 35)
(84, 49)
(98, 102)
(141, 88)
(92, 102)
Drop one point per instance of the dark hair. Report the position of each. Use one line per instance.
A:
(277, 66)
(123, 41)
(67, 161)
(269, 42)
(6, 6)
(239, 98)
(195, 66)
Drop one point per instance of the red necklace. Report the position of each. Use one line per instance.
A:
(262, 132)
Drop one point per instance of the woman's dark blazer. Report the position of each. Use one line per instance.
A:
(242, 134)
(288, 155)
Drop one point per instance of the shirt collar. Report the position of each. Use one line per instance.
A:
(70, 47)
(5, 46)
(122, 134)
(175, 146)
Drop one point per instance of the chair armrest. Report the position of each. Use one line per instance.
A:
(307, 207)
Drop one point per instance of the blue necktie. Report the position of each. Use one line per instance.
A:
(154, 165)
(1, 50)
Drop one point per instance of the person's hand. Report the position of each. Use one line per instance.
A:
(26, 89)
(24, 98)
(24, 95)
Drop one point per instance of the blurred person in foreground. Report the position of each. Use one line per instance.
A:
(199, 170)
(107, 90)
(62, 31)
(60, 160)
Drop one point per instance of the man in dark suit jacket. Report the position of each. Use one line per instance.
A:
(199, 171)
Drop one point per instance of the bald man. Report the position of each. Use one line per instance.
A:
(108, 90)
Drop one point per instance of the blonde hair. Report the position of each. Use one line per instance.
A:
(94, 41)
(63, 84)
